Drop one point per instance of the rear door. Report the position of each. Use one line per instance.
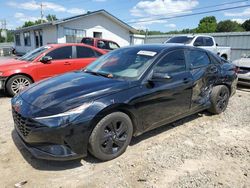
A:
(205, 73)
(83, 56)
(61, 62)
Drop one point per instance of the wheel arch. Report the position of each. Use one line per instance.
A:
(126, 109)
(16, 74)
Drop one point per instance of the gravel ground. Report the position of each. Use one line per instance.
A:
(198, 151)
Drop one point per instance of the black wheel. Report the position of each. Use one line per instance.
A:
(219, 99)
(111, 136)
(16, 84)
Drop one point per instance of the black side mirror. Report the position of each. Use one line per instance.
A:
(160, 76)
(217, 44)
(46, 59)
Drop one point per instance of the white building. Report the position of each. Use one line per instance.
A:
(100, 24)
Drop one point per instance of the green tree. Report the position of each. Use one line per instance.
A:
(229, 26)
(51, 17)
(246, 25)
(28, 24)
(207, 25)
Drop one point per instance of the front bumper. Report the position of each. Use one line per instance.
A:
(2, 82)
(62, 143)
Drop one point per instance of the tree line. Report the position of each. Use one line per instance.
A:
(208, 24)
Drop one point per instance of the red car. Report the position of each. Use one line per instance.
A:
(45, 62)
(103, 44)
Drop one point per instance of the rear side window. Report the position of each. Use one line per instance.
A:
(173, 62)
(197, 58)
(84, 52)
(88, 41)
(61, 53)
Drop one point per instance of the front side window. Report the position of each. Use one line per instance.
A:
(199, 41)
(126, 63)
(84, 52)
(61, 53)
(113, 46)
(208, 41)
(26, 37)
(197, 58)
(173, 62)
(18, 39)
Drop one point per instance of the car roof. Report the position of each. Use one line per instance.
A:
(98, 39)
(163, 47)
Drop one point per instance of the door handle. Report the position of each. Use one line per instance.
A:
(67, 63)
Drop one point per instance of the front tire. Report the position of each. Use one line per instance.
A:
(16, 84)
(219, 99)
(111, 136)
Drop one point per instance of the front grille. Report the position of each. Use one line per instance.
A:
(24, 125)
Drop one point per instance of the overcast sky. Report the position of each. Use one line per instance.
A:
(16, 12)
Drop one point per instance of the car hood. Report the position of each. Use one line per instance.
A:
(65, 92)
(11, 63)
(243, 62)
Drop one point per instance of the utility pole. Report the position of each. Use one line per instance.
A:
(41, 5)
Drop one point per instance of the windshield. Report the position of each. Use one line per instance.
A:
(126, 63)
(181, 39)
(30, 56)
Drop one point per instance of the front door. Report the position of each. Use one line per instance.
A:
(163, 100)
(61, 62)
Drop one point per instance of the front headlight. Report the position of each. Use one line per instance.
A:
(62, 118)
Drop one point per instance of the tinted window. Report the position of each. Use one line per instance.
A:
(61, 53)
(197, 58)
(88, 41)
(181, 39)
(208, 41)
(84, 52)
(172, 62)
(199, 42)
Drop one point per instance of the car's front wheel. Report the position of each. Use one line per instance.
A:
(16, 84)
(219, 99)
(111, 136)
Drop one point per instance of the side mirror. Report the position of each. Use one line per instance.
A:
(46, 59)
(160, 76)
(217, 44)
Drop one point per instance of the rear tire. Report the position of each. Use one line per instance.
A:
(219, 99)
(111, 136)
(16, 83)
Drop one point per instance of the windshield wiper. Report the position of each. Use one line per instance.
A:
(106, 75)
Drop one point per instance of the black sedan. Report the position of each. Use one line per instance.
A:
(122, 94)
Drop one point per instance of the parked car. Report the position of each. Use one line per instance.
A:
(202, 41)
(103, 44)
(45, 62)
(122, 94)
(243, 65)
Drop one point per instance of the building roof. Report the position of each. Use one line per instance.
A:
(102, 11)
